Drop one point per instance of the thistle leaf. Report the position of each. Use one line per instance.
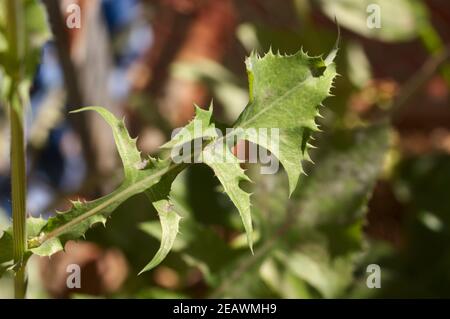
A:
(285, 93)
(6, 246)
(168, 217)
(170, 221)
(34, 226)
(218, 156)
(152, 176)
(230, 174)
(126, 146)
(201, 127)
(158, 194)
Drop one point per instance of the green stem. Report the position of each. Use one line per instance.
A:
(20, 286)
(18, 194)
(15, 35)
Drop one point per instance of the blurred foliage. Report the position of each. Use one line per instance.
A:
(298, 253)
(420, 181)
(35, 33)
(398, 19)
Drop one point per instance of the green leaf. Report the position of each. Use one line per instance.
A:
(201, 127)
(6, 246)
(168, 217)
(328, 277)
(230, 174)
(35, 33)
(169, 223)
(218, 156)
(38, 31)
(151, 175)
(158, 194)
(285, 93)
(197, 240)
(126, 146)
(34, 226)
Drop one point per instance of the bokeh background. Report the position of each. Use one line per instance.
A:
(377, 194)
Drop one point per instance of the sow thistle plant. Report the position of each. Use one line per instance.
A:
(285, 93)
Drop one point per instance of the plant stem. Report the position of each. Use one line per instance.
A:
(15, 35)
(18, 182)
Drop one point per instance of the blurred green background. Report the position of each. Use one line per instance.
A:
(377, 193)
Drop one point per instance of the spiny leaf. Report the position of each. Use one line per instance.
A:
(151, 176)
(227, 169)
(285, 93)
(126, 146)
(218, 156)
(168, 217)
(34, 226)
(196, 240)
(200, 127)
(169, 223)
